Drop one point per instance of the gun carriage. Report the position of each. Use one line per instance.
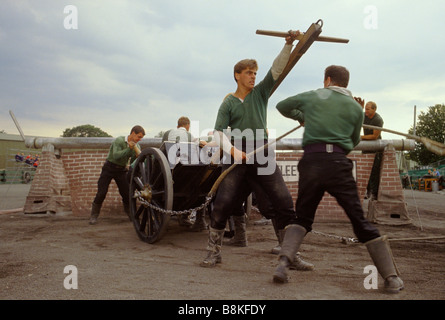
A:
(174, 179)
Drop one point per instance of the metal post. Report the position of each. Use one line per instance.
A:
(284, 144)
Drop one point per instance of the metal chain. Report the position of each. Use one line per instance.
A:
(147, 204)
(343, 239)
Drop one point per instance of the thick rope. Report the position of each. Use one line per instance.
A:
(215, 186)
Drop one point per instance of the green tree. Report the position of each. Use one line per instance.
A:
(430, 124)
(86, 130)
(160, 134)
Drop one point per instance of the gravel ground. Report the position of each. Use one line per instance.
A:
(111, 263)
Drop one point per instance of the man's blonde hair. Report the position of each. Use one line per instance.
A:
(373, 105)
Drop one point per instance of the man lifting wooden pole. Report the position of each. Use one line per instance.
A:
(305, 41)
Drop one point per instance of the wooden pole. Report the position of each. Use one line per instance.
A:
(308, 39)
(300, 36)
(215, 186)
(433, 146)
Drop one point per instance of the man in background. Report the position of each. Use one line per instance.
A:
(121, 151)
(374, 119)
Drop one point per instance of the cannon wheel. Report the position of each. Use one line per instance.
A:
(151, 171)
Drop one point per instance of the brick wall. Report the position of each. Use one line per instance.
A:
(50, 189)
(83, 170)
(69, 182)
(389, 177)
(391, 206)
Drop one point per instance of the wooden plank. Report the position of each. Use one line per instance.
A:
(300, 49)
(300, 36)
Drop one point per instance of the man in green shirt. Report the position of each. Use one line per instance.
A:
(374, 119)
(245, 113)
(332, 121)
(115, 167)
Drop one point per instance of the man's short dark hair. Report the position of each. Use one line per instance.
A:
(339, 75)
(137, 129)
(183, 121)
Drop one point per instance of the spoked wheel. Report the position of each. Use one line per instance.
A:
(151, 182)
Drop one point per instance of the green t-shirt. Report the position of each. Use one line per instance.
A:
(246, 117)
(329, 117)
(376, 121)
(120, 152)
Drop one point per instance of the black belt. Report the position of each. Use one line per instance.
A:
(323, 148)
(113, 165)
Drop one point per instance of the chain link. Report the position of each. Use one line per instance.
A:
(172, 213)
(332, 236)
(147, 204)
(343, 239)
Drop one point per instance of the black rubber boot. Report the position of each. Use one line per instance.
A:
(127, 210)
(240, 237)
(301, 265)
(95, 211)
(298, 263)
(213, 248)
(293, 237)
(381, 254)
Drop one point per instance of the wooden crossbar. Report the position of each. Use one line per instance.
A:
(306, 39)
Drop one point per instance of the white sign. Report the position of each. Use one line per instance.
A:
(289, 170)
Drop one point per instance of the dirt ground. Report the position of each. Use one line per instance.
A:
(112, 263)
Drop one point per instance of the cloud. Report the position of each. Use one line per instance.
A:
(149, 62)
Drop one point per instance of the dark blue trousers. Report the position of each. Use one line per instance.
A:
(332, 173)
(109, 172)
(233, 188)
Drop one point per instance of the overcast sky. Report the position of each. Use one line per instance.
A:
(150, 62)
